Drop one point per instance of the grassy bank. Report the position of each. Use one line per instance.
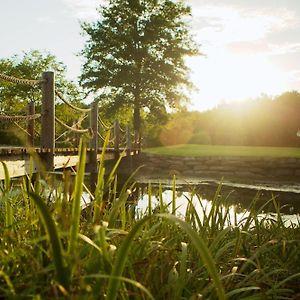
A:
(51, 249)
(219, 150)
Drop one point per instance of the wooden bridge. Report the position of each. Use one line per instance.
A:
(47, 156)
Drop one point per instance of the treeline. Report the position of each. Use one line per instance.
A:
(257, 122)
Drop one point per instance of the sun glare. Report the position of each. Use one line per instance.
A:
(237, 62)
(233, 78)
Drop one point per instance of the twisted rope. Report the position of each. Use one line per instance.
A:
(60, 136)
(60, 96)
(122, 130)
(103, 138)
(19, 118)
(21, 128)
(82, 118)
(103, 124)
(72, 128)
(123, 139)
(16, 80)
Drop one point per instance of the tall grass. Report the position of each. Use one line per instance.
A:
(51, 249)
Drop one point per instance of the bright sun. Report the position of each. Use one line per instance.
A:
(238, 61)
(233, 78)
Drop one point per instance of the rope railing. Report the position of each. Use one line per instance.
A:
(120, 138)
(60, 96)
(21, 128)
(122, 130)
(22, 81)
(19, 118)
(103, 138)
(81, 119)
(123, 140)
(103, 124)
(61, 135)
(77, 130)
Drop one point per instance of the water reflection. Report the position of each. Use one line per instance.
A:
(237, 198)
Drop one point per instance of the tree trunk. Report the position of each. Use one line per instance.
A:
(137, 119)
(137, 109)
(137, 125)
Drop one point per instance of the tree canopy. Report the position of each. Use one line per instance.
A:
(134, 55)
(14, 97)
(264, 121)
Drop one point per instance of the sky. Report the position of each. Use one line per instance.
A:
(249, 47)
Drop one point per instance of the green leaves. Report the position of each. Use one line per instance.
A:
(15, 97)
(62, 273)
(76, 198)
(6, 198)
(134, 55)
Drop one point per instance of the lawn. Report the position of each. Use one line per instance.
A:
(221, 150)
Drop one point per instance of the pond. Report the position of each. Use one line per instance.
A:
(237, 197)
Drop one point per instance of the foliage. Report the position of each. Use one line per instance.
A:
(31, 65)
(208, 252)
(15, 97)
(263, 121)
(134, 55)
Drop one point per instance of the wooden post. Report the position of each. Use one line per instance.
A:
(129, 146)
(48, 120)
(117, 139)
(93, 163)
(30, 124)
(136, 141)
(128, 140)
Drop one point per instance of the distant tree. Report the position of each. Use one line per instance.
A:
(265, 121)
(134, 55)
(31, 65)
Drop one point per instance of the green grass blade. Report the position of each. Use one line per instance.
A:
(61, 271)
(198, 243)
(282, 282)
(8, 282)
(174, 195)
(7, 177)
(203, 252)
(122, 198)
(99, 191)
(161, 201)
(121, 259)
(89, 242)
(242, 290)
(149, 199)
(8, 207)
(182, 271)
(124, 279)
(8, 213)
(77, 194)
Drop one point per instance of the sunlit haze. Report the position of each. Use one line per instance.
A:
(249, 47)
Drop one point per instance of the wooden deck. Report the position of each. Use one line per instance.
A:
(21, 161)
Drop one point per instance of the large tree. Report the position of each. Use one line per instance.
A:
(134, 55)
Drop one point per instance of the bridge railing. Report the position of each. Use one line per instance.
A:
(120, 138)
(28, 116)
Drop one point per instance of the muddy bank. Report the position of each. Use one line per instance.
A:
(235, 169)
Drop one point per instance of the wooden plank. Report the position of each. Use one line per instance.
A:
(21, 167)
(17, 168)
